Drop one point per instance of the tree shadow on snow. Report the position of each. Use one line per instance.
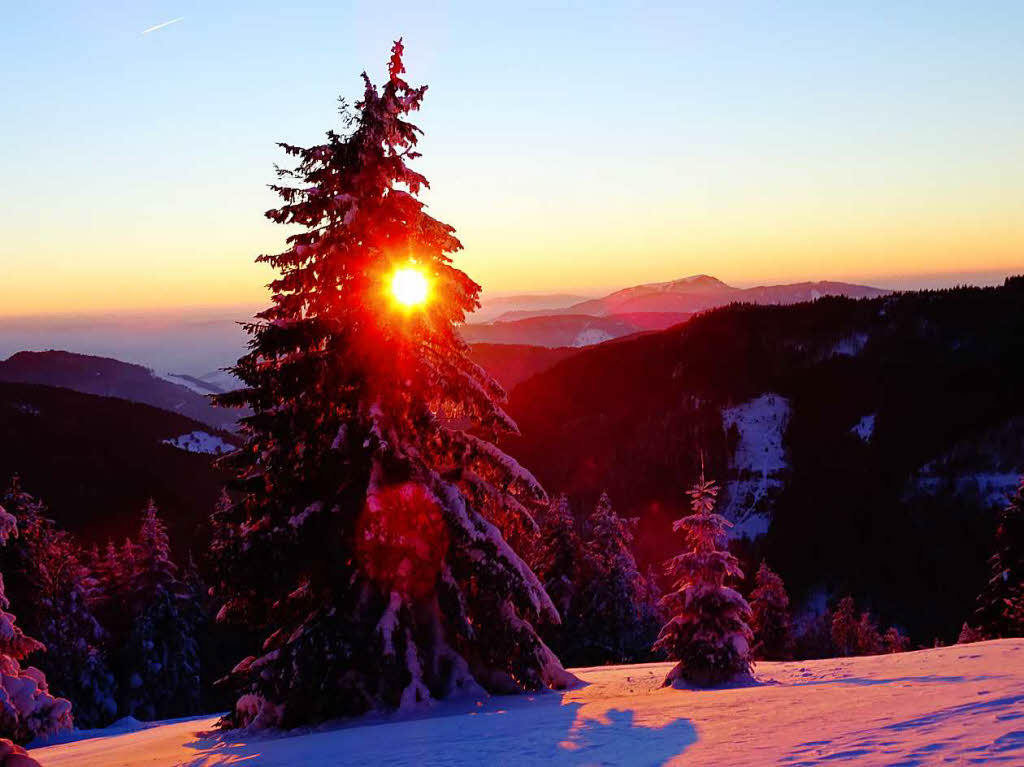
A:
(502, 731)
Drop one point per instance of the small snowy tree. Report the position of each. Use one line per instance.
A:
(160, 659)
(845, 627)
(895, 641)
(770, 619)
(372, 496)
(616, 623)
(27, 709)
(707, 632)
(996, 615)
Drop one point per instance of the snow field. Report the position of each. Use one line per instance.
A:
(953, 705)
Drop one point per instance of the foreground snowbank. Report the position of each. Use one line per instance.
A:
(960, 705)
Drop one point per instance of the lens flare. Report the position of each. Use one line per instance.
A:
(409, 286)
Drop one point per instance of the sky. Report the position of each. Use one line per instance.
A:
(574, 146)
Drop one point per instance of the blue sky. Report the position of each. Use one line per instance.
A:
(573, 145)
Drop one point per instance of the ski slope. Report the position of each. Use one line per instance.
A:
(952, 705)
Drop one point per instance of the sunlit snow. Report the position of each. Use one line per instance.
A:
(759, 457)
(962, 704)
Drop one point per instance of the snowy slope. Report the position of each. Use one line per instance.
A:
(958, 705)
(200, 442)
(759, 459)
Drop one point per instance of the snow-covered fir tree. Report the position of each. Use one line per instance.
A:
(556, 554)
(372, 498)
(616, 622)
(770, 618)
(45, 572)
(27, 709)
(159, 662)
(707, 632)
(75, 662)
(996, 615)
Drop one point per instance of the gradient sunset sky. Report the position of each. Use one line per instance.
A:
(574, 146)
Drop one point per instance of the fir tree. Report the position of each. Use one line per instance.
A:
(869, 640)
(556, 554)
(44, 571)
(969, 635)
(617, 624)
(27, 709)
(372, 497)
(844, 627)
(707, 632)
(75, 662)
(159, 661)
(770, 619)
(996, 615)
(895, 641)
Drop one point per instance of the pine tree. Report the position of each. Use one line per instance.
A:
(27, 709)
(159, 661)
(370, 552)
(616, 622)
(895, 641)
(844, 628)
(996, 616)
(770, 619)
(707, 633)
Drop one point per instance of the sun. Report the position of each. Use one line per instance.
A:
(409, 287)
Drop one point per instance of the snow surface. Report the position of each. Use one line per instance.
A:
(759, 457)
(952, 705)
(850, 346)
(591, 337)
(200, 442)
(865, 427)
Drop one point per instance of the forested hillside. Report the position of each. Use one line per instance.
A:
(872, 440)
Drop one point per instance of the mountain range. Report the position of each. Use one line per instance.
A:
(112, 378)
(641, 308)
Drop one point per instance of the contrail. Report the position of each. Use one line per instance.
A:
(161, 26)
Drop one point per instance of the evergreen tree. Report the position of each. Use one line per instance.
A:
(707, 632)
(996, 616)
(616, 622)
(845, 625)
(895, 641)
(969, 635)
(27, 709)
(370, 553)
(770, 620)
(75, 662)
(869, 640)
(556, 555)
(159, 661)
(44, 572)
